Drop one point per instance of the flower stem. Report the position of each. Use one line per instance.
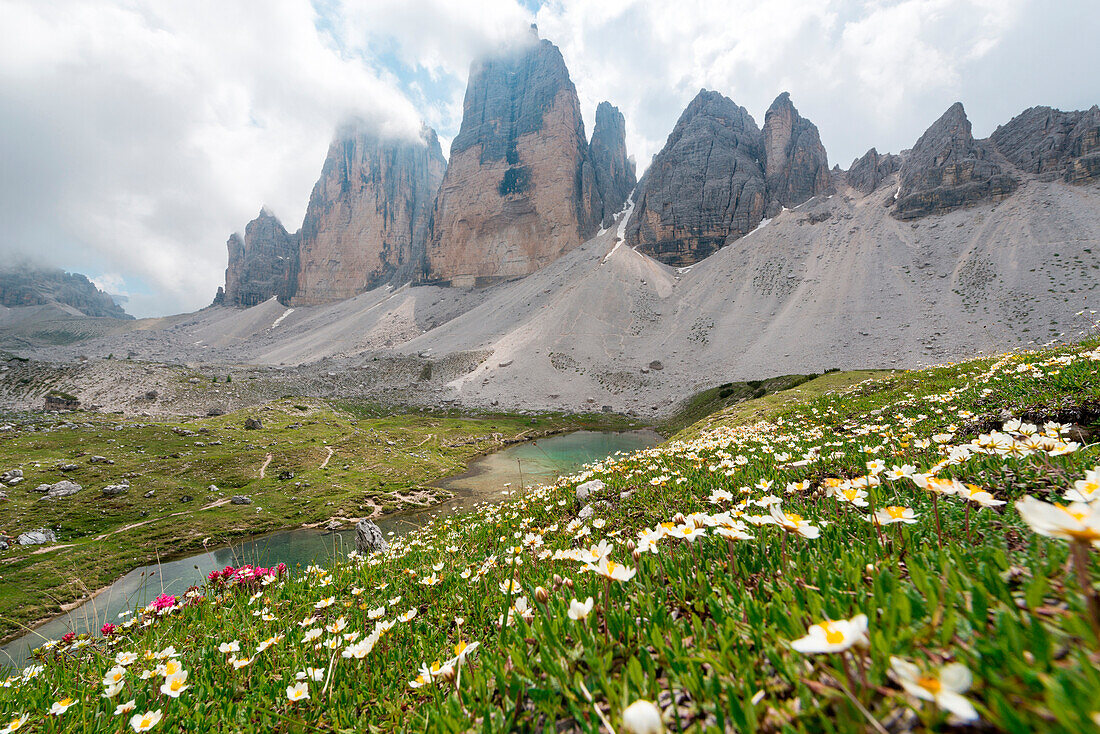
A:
(1080, 553)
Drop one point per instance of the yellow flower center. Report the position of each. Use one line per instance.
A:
(895, 512)
(929, 683)
(832, 635)
(796, 519)
(850, 494)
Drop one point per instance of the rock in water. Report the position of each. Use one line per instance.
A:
(948, 168)
(37, 537)
(866, 173)
(706, 186)
(369, 539)
(262, 264)
(1042, 140)
(796, 166)
(520, 188)
(615, 176)
(368, 217)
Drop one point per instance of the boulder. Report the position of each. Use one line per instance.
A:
(584, 490)
(37, 537)
(240, 499)
(64, 488)
(115, 489)
(11, 477)
(100, 460)
(253, 424)
(369, 538)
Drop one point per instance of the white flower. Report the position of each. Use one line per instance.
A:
(1078, 522)
(125, 708)
(174, 685)
(297, 692)
(60, 707)
(1087, 489)
(892, 514)
(146, 721)
(642, 717)
(944, 687)
(580, 610)
(112, 690)
(228, 647)
(793, 523)
(834, 636)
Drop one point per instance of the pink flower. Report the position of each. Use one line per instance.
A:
(108, 629)
(164, 601)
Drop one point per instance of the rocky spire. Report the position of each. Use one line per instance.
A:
(866, 173)
(706, 186)
(615, 177)
(368, 217)
(948, 168)
(263, 263)
(796, 166)
(520, 188)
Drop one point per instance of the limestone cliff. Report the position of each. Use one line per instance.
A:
(262, 264)
(948, 168)
(23, 284)
(866, 173)
(368, 217)
(1050, 142)
(705, 188)
(520, 188)
(615, 176)
(796, 166)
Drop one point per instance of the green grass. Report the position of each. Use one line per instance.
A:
(704, 628)
(376, 459)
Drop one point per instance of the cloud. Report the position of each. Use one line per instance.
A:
(136, 134)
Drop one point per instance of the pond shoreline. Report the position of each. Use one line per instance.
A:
(474, 468)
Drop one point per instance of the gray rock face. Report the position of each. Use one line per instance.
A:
(262, 264)
(706, 186)
(37, 537)
(615, 175)
(948, 168)
(1043, 140)
(368, 217)
(796, 166)
(866, 173)
(520, 188)
(369, 538)
(26, 285)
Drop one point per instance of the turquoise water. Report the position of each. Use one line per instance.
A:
(488, 477)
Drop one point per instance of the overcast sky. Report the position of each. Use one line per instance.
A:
(136, 135)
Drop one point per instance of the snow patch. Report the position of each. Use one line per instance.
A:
(279, 320)
(620, 233)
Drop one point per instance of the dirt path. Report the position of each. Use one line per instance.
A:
(263, 468)
(331, 451)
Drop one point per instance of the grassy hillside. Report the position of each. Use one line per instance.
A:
(736, 581)
(317, 462)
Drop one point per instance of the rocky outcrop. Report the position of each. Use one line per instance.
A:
(369, 538)
(796, 166)
(705, 188)
(615, 175)
(27, 285)
(866, 173)
(262, 264)
(368, 217)
(520, 188)
(1049, 142)
(948, 168)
